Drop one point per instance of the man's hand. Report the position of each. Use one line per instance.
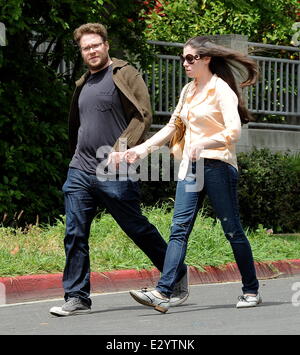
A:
(115, 158)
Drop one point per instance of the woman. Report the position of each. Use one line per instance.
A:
(209, 114)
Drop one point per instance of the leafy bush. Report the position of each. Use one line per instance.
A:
(269, 191)
(33, 124)
(268, 21)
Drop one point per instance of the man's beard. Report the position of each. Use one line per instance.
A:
(103, 62)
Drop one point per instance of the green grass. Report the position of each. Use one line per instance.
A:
(39, 249)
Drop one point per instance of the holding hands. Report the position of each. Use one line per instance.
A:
(132, 155)
(115, 158)
(129, 156)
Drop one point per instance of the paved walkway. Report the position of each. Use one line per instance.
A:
(210, 309)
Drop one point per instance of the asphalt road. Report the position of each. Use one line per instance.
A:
(210, 309)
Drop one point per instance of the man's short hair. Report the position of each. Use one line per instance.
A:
(96, 28)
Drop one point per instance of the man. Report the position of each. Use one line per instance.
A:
(110, 104)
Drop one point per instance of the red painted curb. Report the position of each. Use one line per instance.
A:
(37, 287)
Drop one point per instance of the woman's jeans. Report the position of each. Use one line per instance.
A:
(220, 185)
(83, 193)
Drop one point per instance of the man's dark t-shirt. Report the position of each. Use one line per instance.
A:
(102, 119)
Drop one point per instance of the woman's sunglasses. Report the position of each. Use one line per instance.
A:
(189, 58)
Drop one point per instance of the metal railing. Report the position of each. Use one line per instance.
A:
(277, 92)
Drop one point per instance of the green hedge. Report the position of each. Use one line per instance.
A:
(269, 190)
(33, 143)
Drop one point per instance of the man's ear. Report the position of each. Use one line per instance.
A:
(106, 45)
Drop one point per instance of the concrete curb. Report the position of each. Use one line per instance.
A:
(38, 287)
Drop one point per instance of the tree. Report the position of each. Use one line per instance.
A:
(268, 21)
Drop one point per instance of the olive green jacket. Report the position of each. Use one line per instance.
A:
(135, 99)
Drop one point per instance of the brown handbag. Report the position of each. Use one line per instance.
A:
(177, 142)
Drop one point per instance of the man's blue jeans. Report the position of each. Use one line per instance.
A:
(220, 185)
(83, 193)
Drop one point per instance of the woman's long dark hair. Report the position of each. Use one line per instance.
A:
(223, 62)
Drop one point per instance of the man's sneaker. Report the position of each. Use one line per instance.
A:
(72, 306)
(249, 301)
(181, 291)
(148, 298)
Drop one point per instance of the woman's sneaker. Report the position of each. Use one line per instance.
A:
(249, 301)
(151, 299)
(73, 306)
(181, 291)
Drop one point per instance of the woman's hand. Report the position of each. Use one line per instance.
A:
(196, 148)
(131, 156)
(195, 151)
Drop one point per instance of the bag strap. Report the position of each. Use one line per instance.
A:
(185, 95)
(186, 90)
